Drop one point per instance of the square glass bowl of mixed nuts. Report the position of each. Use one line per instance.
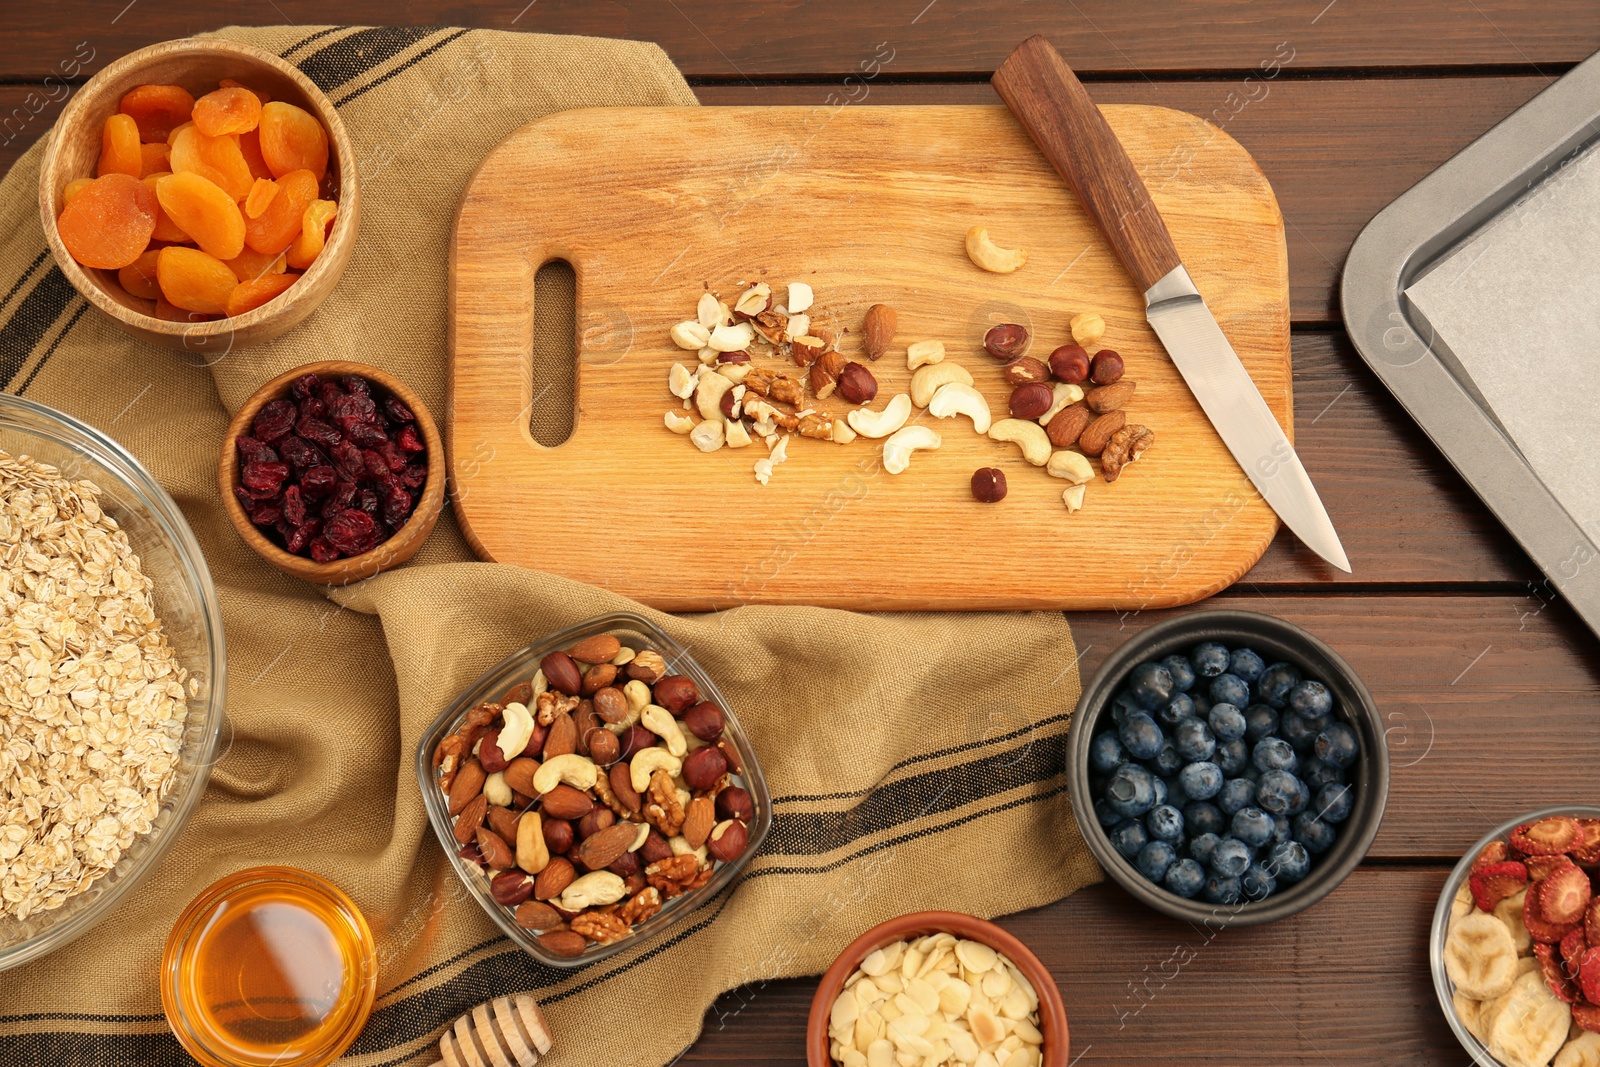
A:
(593, 789)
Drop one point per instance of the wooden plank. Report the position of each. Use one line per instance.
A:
(1488, 701)
(1344, 982)
(739, 41)
(870, 206)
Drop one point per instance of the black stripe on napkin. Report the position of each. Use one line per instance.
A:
(348, 58)
(26, 327)
(407, 65)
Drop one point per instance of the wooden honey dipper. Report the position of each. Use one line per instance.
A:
(505, 1032)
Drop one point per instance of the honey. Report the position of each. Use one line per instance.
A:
(269, 966)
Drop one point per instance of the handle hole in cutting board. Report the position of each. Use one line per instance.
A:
(555, 353)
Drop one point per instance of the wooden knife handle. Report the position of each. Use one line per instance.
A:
(1052, 105)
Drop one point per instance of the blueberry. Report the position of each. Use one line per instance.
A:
(1131, 791)
(1227, 722)
(1257, 883)
(1175, 794)
(1288, 861)
(1299, 731)
(1185, 878)
(1194, 740)
(1317, 773)
(1140, 735)
(1333, 802)
(1103, 813)
(1281, 830)
(1128, 837)
(1221, 890)
(1246, 664)
(1167, 761)
(1165, 823)
(1311, 699)
(1209, 659)
(1105, 752)
(1231, 857)
(1176, 710)
(1203, 817)
(1252, 826)
(1233, 757)
(1337, 744)
(1230, 689)
(1202, 780)
(1182, 672)
(1202, 703)
(1150, 685)
(1202, 847)
(1236, 793)
(1313, 833)
(1275, 682)
(1281, 793)
(1155, 859)
(1161, 789)
(1274, 754)
(1260, 721)
(1251, 771)
(1123, 705)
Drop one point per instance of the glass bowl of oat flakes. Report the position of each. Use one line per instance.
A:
(111, 676)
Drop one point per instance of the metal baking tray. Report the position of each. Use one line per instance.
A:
(1398, 246)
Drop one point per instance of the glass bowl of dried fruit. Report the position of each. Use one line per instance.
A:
(593, 789)
(112, 676)
(1515, 945)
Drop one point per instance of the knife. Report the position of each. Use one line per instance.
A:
(1052, 105)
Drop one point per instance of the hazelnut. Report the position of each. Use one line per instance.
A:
(598, 819)
(635, 739)
(1031, 401)
(856, 383)
(988, 485)
(735, 803)
(704, 720)
(1024, 370)
(1106, 368)
(597, 678)
(562, 673)
(824, 374)
(730, 752)
(1070, 364)
(648, 667)
(703, 766)
(677, 693)
(1006, 341)
(511, 888)
(625, 865)
(558, 835)
(489, 752)
(725, 405)
(726, 358)
(727, 840)
(655, 848)
(1087, 328)
(806, 350)
(604, 748)
(610, 704)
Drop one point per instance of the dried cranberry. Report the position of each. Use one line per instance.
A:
(356, 386)
(351, 532)
(301, 536)
(328, 392)
(347, 457)
(396, 506)
(304, 386)
(414, 476)
(294, 506)
(313, 408)
(242, 495)
(254, 451)
(366, 433)
(368, 502)
(351, 406)
(265, 514)
(393, 455)
(376, 465)
(397, 411)
(344, 494)
(300, 453)
(322, 551)
(318, 481)
(315, 430)
(263, 476)
(274, 421)
(410, 440)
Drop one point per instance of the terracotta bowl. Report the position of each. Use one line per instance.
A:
(1052, 1013)
(197, 64)
(393, 552)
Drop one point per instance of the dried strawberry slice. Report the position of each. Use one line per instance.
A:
(1544, 866)
(1555, 975)
(1587, 851)
(1540, 928)
(1587, 1016)
(1564, 895)
(1589, 974)
(1493, 852)
(1547, 836)
(1591, 924)
(1494, 883)
(1573, 947)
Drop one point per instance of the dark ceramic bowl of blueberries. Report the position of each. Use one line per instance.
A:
(1227, 767)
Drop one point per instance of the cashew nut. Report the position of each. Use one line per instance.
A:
(990, 256)
(842, 433)
(540, 683)
(517, 730)
(678, 422)
(708, 395)
(1035, 443)
(659, 721)
(898, 448)
(708, 312)
(624, 656)
(871, 423)
(647, 763)
(577, 771)
(922, 353)
(1063, 394)
(640, 837)
(1069, 465)
(496, 789)
(1072, 497)
(927, 380)
(800, 297)
(735, 338)
(735, 434)
(707, 437)
(954, 399)
(690, 335)
(680, 847)
(594, 890)
(637, 694)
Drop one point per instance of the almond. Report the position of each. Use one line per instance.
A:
(503, 821)
(468, 784)
(601, 849)
(877, 332)
(519, 775)
(536, 915)
(1110, 397)
(564, 943)
(1098, 435)
(622, 785)
(554, 879)
(563, 737)
(597, 649)
(1068, 425)
(521, 693)
(697, 824)
(471, 818)
(565, 802)
(496, 853)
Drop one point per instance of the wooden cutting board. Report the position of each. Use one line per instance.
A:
(867, 205)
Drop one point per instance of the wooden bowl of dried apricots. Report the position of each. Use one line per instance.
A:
(203, 193)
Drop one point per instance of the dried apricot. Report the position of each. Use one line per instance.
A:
(74, 187)
(261, 95)
(227, 110)
(252, 294)
(292, 139)
(158, 109)
(109, 222)
(167, 231)
(173, 136)
(139, 277)
(205, 213)
(218, 159)
(250, 148)
(192, 280)
(313, 233)
(250, 264)
(284, 218)
(153, 159)
(261, 194)
(119, 147)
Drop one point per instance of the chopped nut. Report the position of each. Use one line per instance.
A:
(775, 386)
(672, 877)
(708, 312)
(771, 326)
(733, 338)
(681, 381)
(1125, 446)
(800, 297)
(1072, 497)
(842, 433)
(690, 335)
(707, 436)
(754, 300)
(797, 326)
(806, 350)
(825, 374)
(735, 435)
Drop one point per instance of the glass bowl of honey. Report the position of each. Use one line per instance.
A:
(269, 966)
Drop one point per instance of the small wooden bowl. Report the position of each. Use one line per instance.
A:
(1052, 1012)
(197, 64)
(393, 552)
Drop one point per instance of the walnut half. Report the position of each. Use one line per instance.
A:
(1125, 446)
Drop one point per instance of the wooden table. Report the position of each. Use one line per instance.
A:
(1475, 661)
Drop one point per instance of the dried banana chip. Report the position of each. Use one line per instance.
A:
(1462, 903)
(1509, 911)
(1532, 1025)
(1479, 956)
(1470, 1013)
(1580, 1051)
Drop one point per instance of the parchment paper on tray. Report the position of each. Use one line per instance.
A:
(1518, 305)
